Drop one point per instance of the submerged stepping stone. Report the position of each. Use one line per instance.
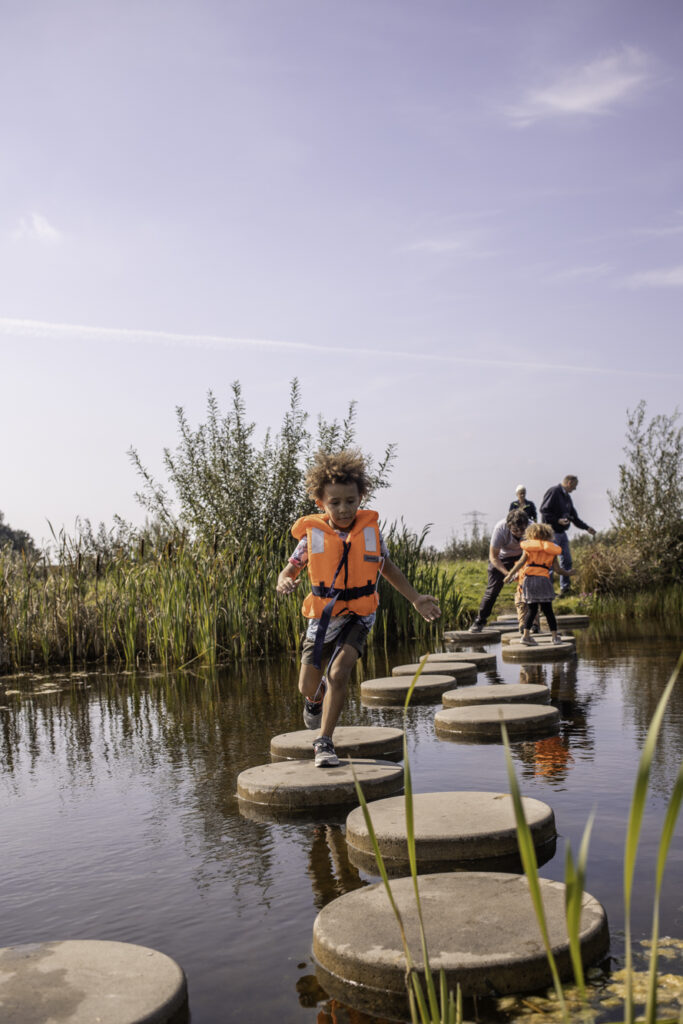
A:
(540, 638)
(480, 928)
(349, 741)
(463, 671)
(450, 828)
(483, 723)
(479, 658)
(464, 637)
(298, 787)
(507, 693)
(394, 689)
(540, 652)
(81, 981)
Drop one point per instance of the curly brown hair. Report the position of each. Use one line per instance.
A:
(345, 467)
(539, 531)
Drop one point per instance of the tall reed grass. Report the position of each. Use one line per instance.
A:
(178, 601)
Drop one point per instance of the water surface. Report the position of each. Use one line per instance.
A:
(119, 817)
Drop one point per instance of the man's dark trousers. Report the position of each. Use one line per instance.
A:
(493, 589)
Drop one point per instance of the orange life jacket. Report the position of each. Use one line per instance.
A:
(350, 569)
(541, 555)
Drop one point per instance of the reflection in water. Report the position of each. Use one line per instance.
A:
(329, 868)
(120, 819)
(553, 757)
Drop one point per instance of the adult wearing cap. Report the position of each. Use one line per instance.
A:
(527, 506)
(557, 508)
(504, 551)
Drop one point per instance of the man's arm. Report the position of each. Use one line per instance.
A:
(425, 604)
(494, 559)
(573, 517)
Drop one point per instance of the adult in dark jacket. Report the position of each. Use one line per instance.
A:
(527, 506)
(557, 508)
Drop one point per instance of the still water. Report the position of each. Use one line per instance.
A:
(119, 818)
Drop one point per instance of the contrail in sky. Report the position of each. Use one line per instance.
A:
(40, 329)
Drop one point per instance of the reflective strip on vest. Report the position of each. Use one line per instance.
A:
(370, 538)
(317, 541)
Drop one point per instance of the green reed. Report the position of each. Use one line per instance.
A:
(575, 873)
(178, 601)
(428, 1005)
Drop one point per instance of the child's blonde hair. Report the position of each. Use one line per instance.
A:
(539, 531)
(345, 467)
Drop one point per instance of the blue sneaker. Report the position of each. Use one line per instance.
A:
(313, 709)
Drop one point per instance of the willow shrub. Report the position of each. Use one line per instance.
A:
(175, 602)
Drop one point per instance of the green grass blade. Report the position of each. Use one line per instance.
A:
(664, 844)
(635, 820)
(412, 853)
(527, 853)
(575, 881)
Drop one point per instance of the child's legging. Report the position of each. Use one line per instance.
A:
(546, 608)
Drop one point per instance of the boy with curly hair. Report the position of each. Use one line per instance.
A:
(345, 554)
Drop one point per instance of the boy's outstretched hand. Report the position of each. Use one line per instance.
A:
(426, 605)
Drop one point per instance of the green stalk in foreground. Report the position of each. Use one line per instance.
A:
(575, 873)
(432, 1008)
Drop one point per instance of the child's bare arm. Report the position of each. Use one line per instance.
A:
(425, 604)
(516, 567)
(562, 572)
(287, 581)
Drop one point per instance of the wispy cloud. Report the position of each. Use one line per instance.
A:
(591, 89)
(664, 232)
(37, 228)
(588, 273)
(664, 277)
(58, 332)
(436, 245)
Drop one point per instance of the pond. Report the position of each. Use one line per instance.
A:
(119, 816)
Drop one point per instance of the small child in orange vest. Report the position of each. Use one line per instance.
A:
(345, 554)
(534, 583)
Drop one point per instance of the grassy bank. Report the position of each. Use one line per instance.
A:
(610, 613)
(179, 602)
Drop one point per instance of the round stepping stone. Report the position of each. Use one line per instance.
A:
(478, 658)
(81, 981)
(567, 620)
(540, 652)
(483, 723)
(298, 787)
(480, 927)
(464, 637)
(540, 638)
(507, 693)
(460, 827)
(463, 671)
(394, 689)
(349, 741)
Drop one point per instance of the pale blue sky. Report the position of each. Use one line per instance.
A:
(466, 216)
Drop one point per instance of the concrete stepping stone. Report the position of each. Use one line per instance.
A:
(464, 637)
(483, 660)
(482, 723)
(82, 981)
(349, 741)
(393, 690)
(475, 830)
(568, 621)
(503, 693)
(463, 671)
(298, 787)
(480, 927)
(540, 638)
(541, 652)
